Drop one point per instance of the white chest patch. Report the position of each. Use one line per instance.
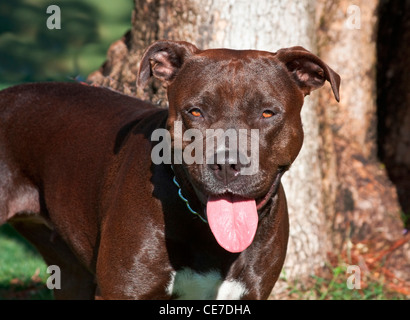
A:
(186, 284)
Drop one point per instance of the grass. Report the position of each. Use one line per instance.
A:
(368, 280)
(334, 287)
(22, 270)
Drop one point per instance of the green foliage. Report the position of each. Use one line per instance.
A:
(29, 51)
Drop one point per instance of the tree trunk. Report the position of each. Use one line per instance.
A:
(361, 203)
(336, 189)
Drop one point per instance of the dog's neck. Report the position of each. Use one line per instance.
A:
(187, 194)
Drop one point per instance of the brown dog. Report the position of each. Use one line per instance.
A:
(78, 178)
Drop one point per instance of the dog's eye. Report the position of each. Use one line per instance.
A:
(195, 112)
(267, 114)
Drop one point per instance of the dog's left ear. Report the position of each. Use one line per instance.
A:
(308, 70)
(163, 59)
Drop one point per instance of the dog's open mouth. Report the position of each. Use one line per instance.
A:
(233, 221)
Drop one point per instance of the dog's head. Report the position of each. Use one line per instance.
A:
(234, 120)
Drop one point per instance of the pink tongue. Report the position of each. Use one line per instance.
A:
(233, 221)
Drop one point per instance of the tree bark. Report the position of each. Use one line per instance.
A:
(336, 189)
(361, 203)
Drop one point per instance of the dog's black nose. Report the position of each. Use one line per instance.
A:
(225, 166)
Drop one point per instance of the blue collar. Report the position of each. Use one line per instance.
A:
(185, 199)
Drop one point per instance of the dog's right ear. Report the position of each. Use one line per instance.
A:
(163, 59)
